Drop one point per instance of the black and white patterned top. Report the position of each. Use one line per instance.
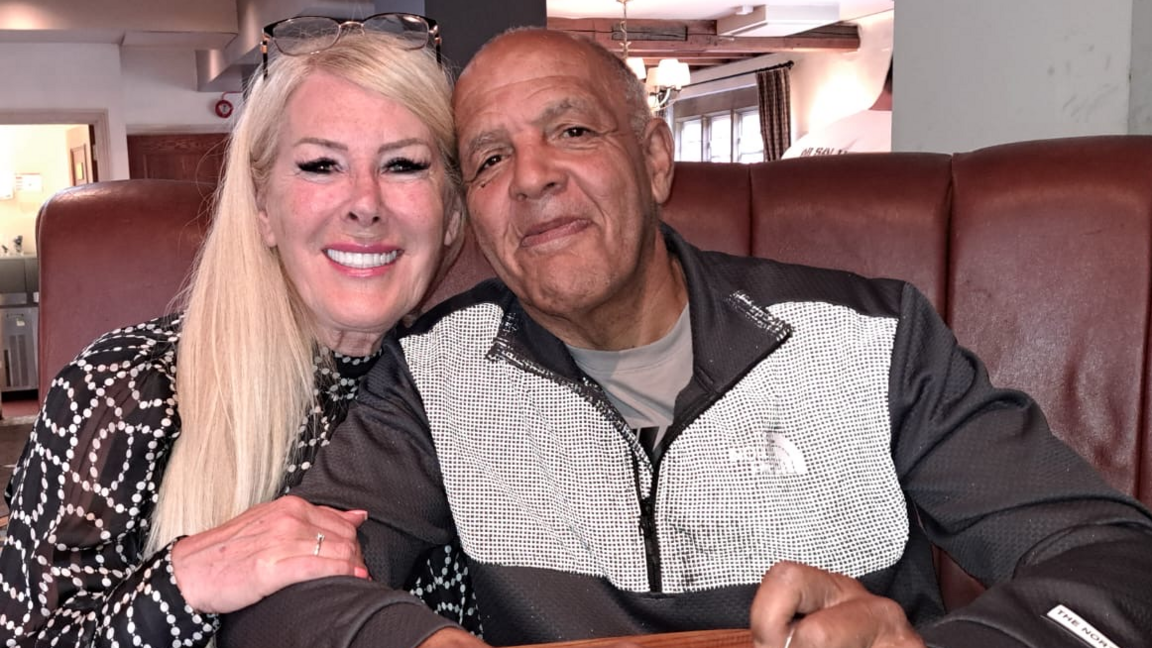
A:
(72, 571)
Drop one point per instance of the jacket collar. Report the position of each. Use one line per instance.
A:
(731, 331)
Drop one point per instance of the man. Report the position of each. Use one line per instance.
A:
(628, 435)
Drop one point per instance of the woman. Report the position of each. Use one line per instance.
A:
(339, 199)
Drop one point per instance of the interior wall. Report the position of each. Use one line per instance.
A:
(163, 15)
(825, 85)
(982, 72)
(829, 86)
(39, 150)
(160, 93)
(1140, 95)
(69, 76)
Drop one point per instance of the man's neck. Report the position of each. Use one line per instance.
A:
(640, 316)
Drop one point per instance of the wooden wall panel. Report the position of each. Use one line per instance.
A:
(198, 157)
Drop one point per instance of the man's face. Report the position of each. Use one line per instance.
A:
(562, 192)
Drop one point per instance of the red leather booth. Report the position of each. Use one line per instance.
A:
(1038, 254)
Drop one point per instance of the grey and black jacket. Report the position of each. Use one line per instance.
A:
(830, 419)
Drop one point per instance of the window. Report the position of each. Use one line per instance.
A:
(690, 140)
(750, 143)
(719, 127)
(732, 135)
(720, 138)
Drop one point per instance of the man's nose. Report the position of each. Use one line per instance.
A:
(536, 172)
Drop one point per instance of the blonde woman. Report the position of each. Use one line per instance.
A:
(143, 505)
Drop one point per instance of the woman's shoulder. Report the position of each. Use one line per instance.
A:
(133, 353)
(144, 341)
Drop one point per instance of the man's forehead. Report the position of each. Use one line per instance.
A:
(526, 56)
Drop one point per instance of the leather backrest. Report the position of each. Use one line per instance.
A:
(1050, 279)
(112, 254)
(878, 215)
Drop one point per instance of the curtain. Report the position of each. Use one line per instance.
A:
(775, 89)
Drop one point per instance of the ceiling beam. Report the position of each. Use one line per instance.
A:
(697, 38)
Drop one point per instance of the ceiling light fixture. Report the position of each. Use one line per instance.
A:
(634, 63)
(664, 80)
(661, 81)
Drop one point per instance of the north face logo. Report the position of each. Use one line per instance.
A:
(777, 456)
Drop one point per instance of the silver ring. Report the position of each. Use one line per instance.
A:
(788, 640)
(319, 542)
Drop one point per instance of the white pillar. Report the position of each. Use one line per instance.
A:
(971, 73)
(1140, 103)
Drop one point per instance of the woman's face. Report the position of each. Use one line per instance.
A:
(354, 205)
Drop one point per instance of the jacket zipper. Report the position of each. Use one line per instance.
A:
(648, 527)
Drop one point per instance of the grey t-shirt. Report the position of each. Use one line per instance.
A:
(643, 382)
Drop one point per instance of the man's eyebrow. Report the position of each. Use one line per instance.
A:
(482, 140)
(550, 113)
(562, 107)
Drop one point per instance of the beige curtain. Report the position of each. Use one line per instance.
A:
(775, 88)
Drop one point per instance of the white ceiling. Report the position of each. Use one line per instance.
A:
(701, 9)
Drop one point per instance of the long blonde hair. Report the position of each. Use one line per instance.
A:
(244, 377)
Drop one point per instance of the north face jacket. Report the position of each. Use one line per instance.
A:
(830, 419)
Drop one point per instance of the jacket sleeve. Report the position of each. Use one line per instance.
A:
(381, 459)
(1013, 505)
(71, 568)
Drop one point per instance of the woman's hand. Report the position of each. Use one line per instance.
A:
(265, 549)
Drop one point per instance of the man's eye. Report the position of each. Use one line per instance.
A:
(577, 131)
(489, 162)
(321, 166)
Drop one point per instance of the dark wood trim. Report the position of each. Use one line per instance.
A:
(696, 41)
(692, 639)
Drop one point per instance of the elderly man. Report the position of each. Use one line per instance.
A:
(628, 435)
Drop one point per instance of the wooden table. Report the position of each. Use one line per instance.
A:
(693, 639)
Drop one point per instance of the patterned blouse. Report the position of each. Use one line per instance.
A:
(72, 571)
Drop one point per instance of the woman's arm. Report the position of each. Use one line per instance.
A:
(71, 567)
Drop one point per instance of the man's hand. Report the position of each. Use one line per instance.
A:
(836, 612)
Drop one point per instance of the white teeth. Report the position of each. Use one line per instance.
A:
(361, 260)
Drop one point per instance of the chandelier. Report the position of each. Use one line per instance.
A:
(661, 81)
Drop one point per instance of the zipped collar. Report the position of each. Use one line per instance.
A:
(731, 331)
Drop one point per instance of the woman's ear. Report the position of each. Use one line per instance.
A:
(264, 222)
(454, 222)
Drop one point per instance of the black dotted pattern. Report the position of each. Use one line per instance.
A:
(71, 567)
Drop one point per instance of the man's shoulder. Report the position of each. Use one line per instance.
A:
(490, 296)
(462, 326)
(768, 281)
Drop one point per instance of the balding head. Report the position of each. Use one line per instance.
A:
(525, 43)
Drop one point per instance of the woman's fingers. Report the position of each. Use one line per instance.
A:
(264, 549)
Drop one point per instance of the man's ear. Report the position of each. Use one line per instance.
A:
(658, 149)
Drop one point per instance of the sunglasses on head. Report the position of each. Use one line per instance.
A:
(310, 34)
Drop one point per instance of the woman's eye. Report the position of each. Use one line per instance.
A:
(322, 166)
(405, 165)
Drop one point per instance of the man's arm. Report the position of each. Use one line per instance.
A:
(1016, 507)
(382, 460)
